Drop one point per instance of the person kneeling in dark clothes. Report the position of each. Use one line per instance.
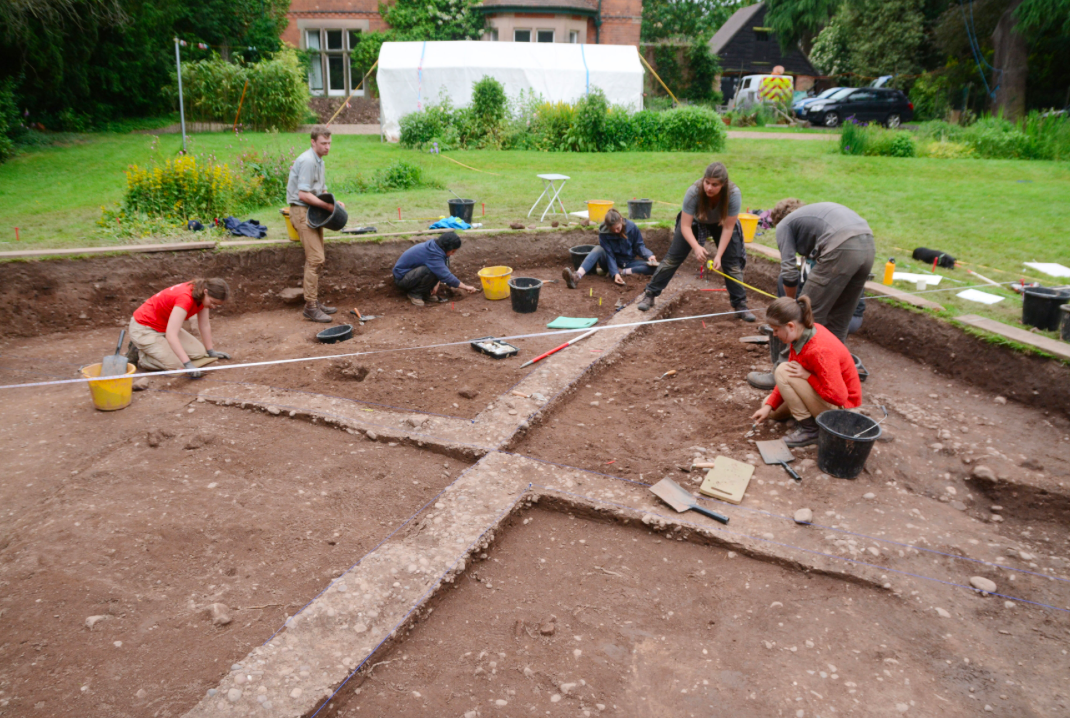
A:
(620, 252)
(424, 269)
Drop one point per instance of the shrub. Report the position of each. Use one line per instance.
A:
(488, 111)
(692, 129)
(398, 175)
(272, 169)
(704, 69)
(875, 141)
(996, 138)
(588, 130)
(185, 188)
(10, 125)
(277, 94)
(947, 150)
(420, 129)
(1050, 135)
(931, 96)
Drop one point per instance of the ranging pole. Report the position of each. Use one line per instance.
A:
(181, 107)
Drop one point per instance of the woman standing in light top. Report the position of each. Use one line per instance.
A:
(710, 209)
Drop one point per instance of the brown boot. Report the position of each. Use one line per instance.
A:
(325, 309)
(313, 313)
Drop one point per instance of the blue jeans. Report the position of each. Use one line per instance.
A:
(598, 256)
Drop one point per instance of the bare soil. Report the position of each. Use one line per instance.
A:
(361, 110)
(147, 516)
(95, 521)
(568, 616)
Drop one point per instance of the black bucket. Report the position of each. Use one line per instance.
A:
(579, 253)
(462, 209)
(1040, 307)
(318, 217)
(336, 334)
(839, 453)
(1064, 332)
(524, 293)
(640, 208)
(863, 374)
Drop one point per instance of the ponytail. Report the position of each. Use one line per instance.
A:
(215, 288)
(786, 310)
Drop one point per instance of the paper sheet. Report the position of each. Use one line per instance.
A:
(930, 279)
(1052, 269)
(975, 295)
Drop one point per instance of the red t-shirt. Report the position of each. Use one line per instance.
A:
(156, 310)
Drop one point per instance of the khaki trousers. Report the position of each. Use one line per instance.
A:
(312, 241)
(155, 354)
(800, 398)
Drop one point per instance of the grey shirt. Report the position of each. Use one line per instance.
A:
(306, 175)
(814, 230)
(735, 203)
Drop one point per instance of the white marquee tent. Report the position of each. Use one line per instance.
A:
(412, 74)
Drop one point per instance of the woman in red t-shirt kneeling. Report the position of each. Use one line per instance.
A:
(158, 341)
(820, 374)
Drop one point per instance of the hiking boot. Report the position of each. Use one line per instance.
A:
(763, 380)
(805, 433)
(746, 315)
(765, 330)
(326, 309)
(417, 300)
(132, 354)
(647, 302)
(313, 313)
(569, 276)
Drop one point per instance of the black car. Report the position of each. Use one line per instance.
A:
(889, 107)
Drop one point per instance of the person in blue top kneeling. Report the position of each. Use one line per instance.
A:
(620, 252)
(423, 270)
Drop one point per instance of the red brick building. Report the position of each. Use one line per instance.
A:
(333, 27)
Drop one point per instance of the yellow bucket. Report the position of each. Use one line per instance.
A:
(110, 394)
(749, 222)
(597, 208)
(495, 281)
(290, 231)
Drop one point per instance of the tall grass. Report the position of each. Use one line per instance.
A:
(1034, 137)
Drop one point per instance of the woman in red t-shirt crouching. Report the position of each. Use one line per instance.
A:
(159, 343)
(819, 375)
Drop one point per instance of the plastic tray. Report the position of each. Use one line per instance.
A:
(494, 348)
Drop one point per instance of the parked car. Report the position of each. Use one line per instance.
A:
(882, 81)
(889, 107)
(747, 92)
(798, 105)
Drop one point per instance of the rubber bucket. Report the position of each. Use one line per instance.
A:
(495, 281)
(1064, 331)
(1040, 307)
(749, 223)
(110, 394)
(597, 208)
(318, 217)
(579, 253)
(462, 209)
(524, 291)
(640, 208)
(290, 231)
(839, 453)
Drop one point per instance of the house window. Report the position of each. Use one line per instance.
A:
(333, 71)
(521, 35)
(574, 37)
(761, 35)
(494, 34)
(544, 36)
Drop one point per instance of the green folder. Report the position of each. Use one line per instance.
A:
(572, 323)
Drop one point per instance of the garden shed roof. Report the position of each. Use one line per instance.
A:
(413, 75)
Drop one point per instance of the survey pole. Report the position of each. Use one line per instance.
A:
(181, 107)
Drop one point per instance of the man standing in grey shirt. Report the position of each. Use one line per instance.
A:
(838, 244)
(308, 180)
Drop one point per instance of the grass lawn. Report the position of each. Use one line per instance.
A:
(992, 214)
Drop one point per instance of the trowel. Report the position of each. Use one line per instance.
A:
(115, 364)
(777, 452)
(679, 499)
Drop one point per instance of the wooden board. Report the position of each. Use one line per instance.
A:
(727, 480)
(119, 248)
(1051, 346)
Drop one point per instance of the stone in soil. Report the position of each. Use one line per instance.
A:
(219, 614)
(804, 516)
(983, 584)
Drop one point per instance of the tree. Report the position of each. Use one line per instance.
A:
(434, 19)
(847, 43)
(799, 21)
(685, 19)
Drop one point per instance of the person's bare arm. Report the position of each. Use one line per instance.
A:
(689, 237)
(727, 227)
(313, 201)
(204, 325)
(174, 324)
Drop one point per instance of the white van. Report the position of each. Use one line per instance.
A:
(747, 91)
